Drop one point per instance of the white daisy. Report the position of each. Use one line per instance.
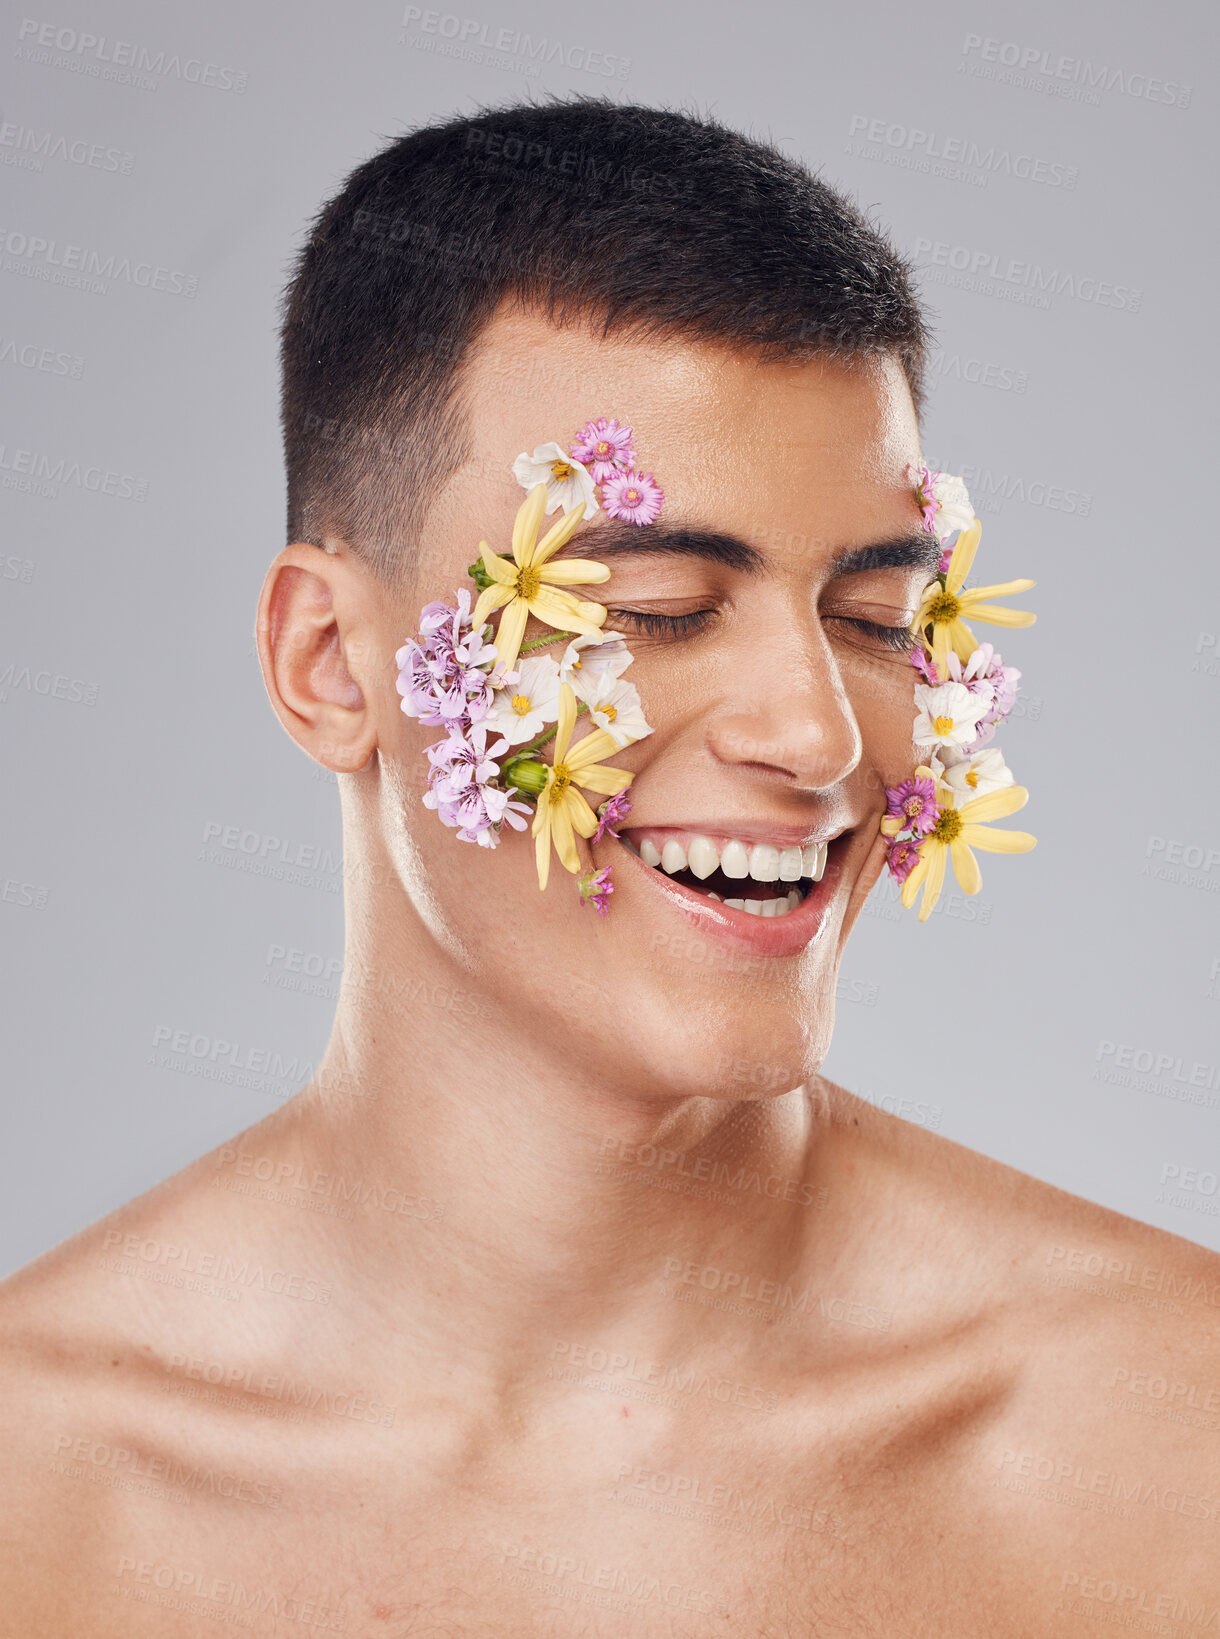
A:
(614, 706)
(594, 654)
(567, 482)
(955, 509)
(948, 714)
(976, 775)
(521, 710)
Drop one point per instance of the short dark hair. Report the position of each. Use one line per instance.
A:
(646, 221)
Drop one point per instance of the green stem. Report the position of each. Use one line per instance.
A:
(541, 642)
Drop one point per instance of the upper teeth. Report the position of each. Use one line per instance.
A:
(760, 860)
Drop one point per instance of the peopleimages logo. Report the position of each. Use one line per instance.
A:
(1045, 71)
(994, 274)
(120, 60)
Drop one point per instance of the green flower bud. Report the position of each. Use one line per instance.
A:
(527, 774)
(479, 575)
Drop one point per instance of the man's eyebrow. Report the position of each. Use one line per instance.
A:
(613, 538)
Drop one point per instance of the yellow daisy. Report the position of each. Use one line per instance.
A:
(562, 811)
(951, 838)
(530, 585)
(944, 607)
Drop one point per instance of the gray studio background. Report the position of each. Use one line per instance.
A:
(1051, 178)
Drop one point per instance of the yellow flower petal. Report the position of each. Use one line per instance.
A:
(911, 885)
(489, 600)
(601, 777)
(965, 867)
(558, 535)
(542, 855)
(582, 816)
(591, 749)
(963, 556)
(562, 835)
(566, 720)
(994, 805)
(933, 882)
(995, 614)
(973, 594)
(500, 569)
(891, 824)
(526, 524)
(961, 640)
(561, 610)
(510, 631)
(574, 572)
(992, 840)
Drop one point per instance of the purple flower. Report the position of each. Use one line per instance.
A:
(443, 674)
(985, 673)
(914, 803)
(901, 856)
(605, 448)
(595, 889)
(612, 813)
(460, 786)
(925, 666)
(633, 497)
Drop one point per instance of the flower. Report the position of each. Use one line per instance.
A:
(523, 708)
(605, 447)
(901, 856)
(591, 656)
(955, 831)
(562, 811)
(914, 803)
(633, 497)
(943, 607)
(948, 714)
(944, 502)
(460, 786)
(610, 814)
(977, 774)
(443, 675)
(613, 705)
(568, 484)
(595, 889)
(528, 584)
(923, 665)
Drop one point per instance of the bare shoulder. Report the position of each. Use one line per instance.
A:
(1102, 1448)
(105, 1344)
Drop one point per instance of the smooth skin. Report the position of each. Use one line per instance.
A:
(536, 1313)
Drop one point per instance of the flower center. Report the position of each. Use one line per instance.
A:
(561, 471)
(943, 725)
(972, 778)
(609, 712)
(561, 779)
(944, 608)
(632, 497)
(913, 806)
(528, 583)
(603, 447)
(948, 827)
(521, 705)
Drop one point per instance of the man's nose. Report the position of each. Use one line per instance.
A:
(790, 711)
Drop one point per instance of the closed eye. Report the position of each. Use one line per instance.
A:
(890, 637)
(659, 625)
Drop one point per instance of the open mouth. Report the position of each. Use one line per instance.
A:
(760, 878)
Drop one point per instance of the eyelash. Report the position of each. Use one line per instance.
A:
(899, 638)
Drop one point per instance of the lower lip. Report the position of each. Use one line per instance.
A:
(786, 935)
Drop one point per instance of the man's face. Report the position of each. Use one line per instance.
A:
(779, 711)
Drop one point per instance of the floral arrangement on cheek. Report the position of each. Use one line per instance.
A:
(501, 710)
(965, 691)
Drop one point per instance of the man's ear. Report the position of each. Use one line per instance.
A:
(314, 622)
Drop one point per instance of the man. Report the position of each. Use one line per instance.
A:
(573, 1293)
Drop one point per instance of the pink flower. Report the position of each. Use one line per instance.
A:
(925, 666)
(605, 448)
(612, 813)
(914, 803)
(633, 497)
(901, 856)
(596, 889)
